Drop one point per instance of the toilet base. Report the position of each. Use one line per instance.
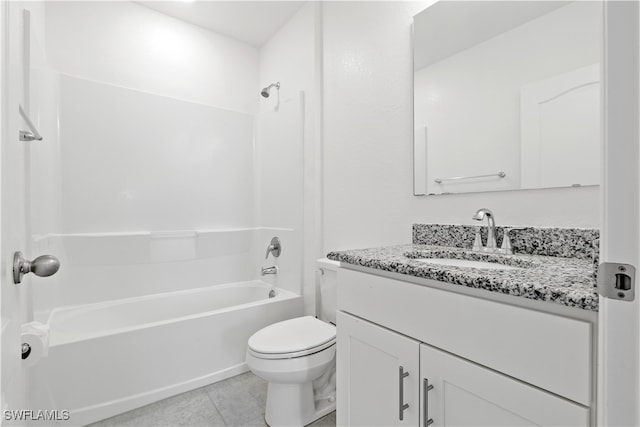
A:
(294, 405)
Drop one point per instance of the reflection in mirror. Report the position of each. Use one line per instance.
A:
(506, 95)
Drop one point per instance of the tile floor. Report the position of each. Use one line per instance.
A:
(237, 401)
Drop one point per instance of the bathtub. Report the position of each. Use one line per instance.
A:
(110, 357)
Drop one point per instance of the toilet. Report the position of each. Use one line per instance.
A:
(297, 357)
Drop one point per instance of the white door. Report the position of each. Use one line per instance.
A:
(456, 392)
(377, 375)
(619, 321)
(13, 156)
(560, 120)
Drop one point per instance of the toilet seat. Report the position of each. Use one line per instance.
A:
(292, 338)
(292, 355)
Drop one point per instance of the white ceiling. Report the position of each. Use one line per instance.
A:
(252, 22)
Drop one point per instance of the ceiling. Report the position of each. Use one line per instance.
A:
(253, 22)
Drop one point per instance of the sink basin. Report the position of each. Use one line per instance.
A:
(468, 259)
(467, 263)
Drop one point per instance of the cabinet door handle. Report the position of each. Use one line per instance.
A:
(425, 401)
(403, 405)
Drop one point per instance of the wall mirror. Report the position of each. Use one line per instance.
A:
(506, 95)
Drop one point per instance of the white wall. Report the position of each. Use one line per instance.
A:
(155, 119)
(368, 141)
(143, 179)
(470, 101)
(288, 57)
(97, 267)
(126, 44)
(291, 57)
(143, 160)
(136, 161)
(149, 133)
(279, 189)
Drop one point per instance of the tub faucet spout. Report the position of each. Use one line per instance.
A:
(270, 270)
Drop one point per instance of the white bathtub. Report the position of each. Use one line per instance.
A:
(107, 358)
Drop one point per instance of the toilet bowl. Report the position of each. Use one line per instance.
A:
(297, 357)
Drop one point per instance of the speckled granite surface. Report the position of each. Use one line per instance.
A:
(547, 241)
(565, 281)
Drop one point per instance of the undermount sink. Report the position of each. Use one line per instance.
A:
(467, 263)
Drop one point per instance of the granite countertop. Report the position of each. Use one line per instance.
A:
(566, 281)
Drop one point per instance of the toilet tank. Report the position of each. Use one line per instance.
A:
(328, 286)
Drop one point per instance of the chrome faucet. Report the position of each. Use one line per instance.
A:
(492, 245)
(270, 270)
(481, 214)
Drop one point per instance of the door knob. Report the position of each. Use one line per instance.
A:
(43, 266)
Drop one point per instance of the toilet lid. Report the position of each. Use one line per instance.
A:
(291, 336)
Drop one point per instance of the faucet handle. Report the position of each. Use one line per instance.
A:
(274, 248)
(477, 242)
(506, 243)
(508, 230)
(506, 240)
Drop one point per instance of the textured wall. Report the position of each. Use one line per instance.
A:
(368, 137)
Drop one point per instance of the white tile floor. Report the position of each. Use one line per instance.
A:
(237, 401)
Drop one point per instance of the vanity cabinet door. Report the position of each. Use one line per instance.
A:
(465, 394)
(377, 374)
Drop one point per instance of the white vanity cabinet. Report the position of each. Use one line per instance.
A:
(490, 363)
(467, 394)
(378, 373)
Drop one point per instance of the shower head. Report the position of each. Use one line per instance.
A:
(265, 91)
